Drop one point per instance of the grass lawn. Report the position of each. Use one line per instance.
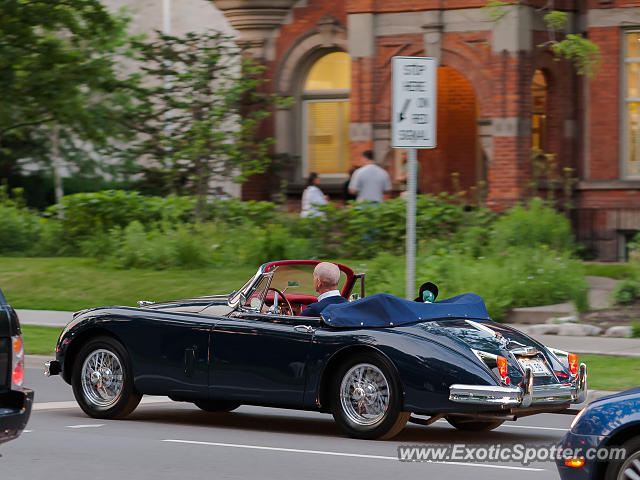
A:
(619, 271)
(605, 373)
(40, 340)
(71, 284)
(611, 373)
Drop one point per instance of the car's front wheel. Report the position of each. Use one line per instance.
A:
(366, 399)
(102, 380)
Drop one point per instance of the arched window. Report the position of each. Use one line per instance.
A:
(326, 115)
(539, 112)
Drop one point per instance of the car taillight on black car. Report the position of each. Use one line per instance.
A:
(17, 362)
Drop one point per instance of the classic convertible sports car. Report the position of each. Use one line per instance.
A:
(374, 362)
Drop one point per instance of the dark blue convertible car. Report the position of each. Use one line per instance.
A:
(373, 362)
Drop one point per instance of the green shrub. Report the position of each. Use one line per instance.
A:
(635, 330)
(19, 230)
(532, 226)
(625, 292)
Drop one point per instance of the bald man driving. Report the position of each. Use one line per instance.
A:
(325, 280)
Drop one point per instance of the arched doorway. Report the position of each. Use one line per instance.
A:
(457, 139)
(326, 116)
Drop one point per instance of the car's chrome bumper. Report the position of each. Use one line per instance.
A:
(525, 395)
(52, 367)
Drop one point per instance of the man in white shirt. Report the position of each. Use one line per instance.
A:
(325, 280)
(370, 181)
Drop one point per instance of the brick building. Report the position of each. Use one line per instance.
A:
(500, 95)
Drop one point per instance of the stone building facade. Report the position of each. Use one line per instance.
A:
(501, 93)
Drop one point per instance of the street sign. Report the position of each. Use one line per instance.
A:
(413, 111)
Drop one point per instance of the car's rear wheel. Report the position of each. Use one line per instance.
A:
(629, 467)
(474, 425)
(102, 380)
(216, 405)
(366, 398)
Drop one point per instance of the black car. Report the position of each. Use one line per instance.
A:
(373, 362)
(15, 400)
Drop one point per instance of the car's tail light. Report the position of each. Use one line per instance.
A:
(502, 369)
(574, 462)
(17, 363)
(573, 363)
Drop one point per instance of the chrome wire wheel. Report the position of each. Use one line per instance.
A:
(102, 378)
(364, 394)
(630, 468)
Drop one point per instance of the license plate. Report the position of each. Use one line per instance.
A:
(537, 366)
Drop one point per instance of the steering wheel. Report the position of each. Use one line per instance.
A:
(284, 298)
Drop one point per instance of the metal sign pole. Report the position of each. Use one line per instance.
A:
(413, 126)
(411, 224)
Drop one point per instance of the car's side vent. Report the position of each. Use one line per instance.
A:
(5, 362)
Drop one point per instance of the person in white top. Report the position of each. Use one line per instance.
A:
(370, 181)
(312, 198)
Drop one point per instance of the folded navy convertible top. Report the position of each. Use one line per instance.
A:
(385, 310)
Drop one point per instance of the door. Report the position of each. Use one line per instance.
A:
(261, 358)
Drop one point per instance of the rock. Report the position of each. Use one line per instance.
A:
(623, 331)
(560, 320)
(543, 329)
(578, 330)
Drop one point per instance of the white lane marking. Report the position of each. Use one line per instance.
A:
(27, 431)
(92, 425)
(524, 426)
(74, 404)
(343, 454)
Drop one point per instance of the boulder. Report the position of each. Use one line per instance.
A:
(623, 331)
(578, 330)
(543, 329)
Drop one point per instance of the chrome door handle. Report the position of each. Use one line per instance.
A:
(304, 328)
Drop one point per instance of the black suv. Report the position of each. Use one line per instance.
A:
(15, 400)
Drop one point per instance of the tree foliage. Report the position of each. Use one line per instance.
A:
(59, 67)
(199, 118)
(575, 47)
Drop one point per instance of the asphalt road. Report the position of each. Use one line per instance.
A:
(178, 441)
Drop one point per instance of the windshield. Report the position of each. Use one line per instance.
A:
(298, 279)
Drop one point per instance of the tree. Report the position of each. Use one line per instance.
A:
(58, 71)
(200, 118)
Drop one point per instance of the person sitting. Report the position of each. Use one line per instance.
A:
(325, 280)
(428, 293)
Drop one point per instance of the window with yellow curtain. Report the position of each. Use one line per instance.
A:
(326, 115)
(631, 127)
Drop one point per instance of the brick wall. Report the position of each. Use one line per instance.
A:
(604, 91)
